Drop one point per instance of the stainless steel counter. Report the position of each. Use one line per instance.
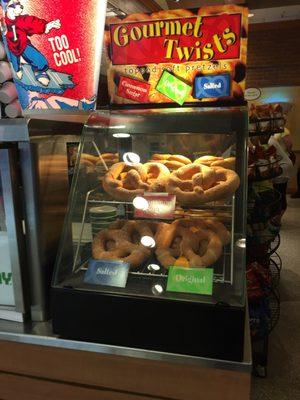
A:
(41, 334)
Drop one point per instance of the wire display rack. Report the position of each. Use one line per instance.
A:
(263, 241)
(263, 206)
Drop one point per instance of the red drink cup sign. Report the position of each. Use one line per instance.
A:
(55, 51)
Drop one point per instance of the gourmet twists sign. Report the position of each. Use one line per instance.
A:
(188, 44)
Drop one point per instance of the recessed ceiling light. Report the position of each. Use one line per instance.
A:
(157, 289)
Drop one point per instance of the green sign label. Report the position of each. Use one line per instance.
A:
(190, 280)
(5, 278)
(174, 88)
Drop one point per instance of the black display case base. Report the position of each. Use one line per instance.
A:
(197, 329)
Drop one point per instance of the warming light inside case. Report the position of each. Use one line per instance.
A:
(241, 243)
(140, 203)
(131, 158)
(153, 267)
(148, 241)
(157, 289)
(121, 135)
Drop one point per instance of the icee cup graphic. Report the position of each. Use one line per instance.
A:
(54, 48)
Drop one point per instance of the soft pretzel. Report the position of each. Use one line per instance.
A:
(124, 182)
(228, 163)
(227, 183)
(171, 157)
(208, 223)
(197, 184)
(171, 165)
(89, 158)
(212, 161)
(189, 182)
(200, 243)
(122, 241)
(110, 156)
(157, 175)
(207, 160)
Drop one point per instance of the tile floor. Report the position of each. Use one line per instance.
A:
(283, 380)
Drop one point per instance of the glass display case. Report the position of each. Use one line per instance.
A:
(12, 256)
(153, 250)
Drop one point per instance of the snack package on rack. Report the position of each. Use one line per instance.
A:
(266, 118)
(263, 161)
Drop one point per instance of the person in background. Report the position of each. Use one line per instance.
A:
(286, 142)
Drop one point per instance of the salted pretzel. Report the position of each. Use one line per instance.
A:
(122, 241)
(212, 161)
(200, 244)
(124, 182)
(197, 184)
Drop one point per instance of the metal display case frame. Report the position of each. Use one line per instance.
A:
(27, 181)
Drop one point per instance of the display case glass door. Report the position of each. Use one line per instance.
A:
(7, 297)
(12, 239)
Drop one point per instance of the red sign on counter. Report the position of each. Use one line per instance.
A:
(134, 90)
